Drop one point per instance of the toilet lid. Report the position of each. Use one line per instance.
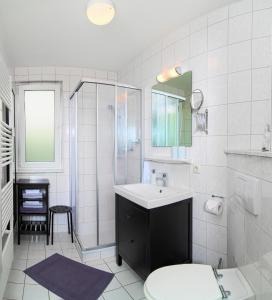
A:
(178, 282)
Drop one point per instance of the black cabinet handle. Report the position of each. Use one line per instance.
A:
(132, 241)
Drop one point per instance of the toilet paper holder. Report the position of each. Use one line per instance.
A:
(213, 206)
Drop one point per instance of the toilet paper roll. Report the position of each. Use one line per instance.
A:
(214, 206)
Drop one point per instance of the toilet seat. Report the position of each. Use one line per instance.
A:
(188, 281)
(195, 282)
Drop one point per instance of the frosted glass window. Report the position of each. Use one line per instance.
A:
(39, 126)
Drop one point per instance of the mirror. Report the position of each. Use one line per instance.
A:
(172, 113)
(197, 99)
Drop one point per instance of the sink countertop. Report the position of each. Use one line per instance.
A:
(151, 196)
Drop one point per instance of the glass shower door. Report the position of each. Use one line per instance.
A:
(105, 163)
(134, 126)
(105, 149)
(86, 213)
(128, 147)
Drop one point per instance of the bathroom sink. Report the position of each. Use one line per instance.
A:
(152, 196)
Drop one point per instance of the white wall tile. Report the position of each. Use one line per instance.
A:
(240, 56)
(216, 180)
(217, 238)
(199, 201)
(240, 86)
(261, 4)
(35, 71)
(261, 52)
(199, 152)
(198, 24)
(218, 35)
(199, 67)
(217, 90)
(218, 120)
(199, 233)
(198, 42)
(239, 142)
(182, 50)
(262, 23)
(240, 7)
(217, 62)
(218, 15)
(240, 28)
(261, 84)
(239, 116)
(199, 254)
(261, 116)
(216, 145)
(21, 71)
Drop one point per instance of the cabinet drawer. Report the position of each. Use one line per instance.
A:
(132, 231)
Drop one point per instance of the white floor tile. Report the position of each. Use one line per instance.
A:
(127, 277)
(21, 253)
(115, 268)
(113, 285)
(70, 253)
(95, 262)
(55, 246)
(119, 294)
(35, 292)
(36, 254)
(14, 291)
(19, 264)
(110, 259)
(136, 290)
(32, 262)
(16, 276)
(49, 253)
(53, 296)
(103, 267)
(22, 247)
(67, 245)
(29, 280)
(36, 246)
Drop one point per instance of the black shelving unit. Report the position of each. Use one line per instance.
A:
(29, 226)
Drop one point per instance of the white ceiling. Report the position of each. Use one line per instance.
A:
(57, 32)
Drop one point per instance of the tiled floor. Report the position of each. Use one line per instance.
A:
(126, 285)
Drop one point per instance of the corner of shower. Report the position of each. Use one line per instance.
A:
(105, 149)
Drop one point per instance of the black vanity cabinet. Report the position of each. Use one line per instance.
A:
(148, 239)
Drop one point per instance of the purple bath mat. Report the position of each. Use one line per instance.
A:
(69, 279)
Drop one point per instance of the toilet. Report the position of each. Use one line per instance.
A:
(196, 282)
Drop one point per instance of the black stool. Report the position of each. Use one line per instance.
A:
(61, 209)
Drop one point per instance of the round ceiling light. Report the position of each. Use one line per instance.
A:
(100, 12)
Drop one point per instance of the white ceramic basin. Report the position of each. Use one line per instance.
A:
(151, 196)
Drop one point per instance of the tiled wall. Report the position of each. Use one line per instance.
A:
(59, 182)
(249, 236)
(229, 52)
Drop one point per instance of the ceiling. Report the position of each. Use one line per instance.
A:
(58, 33)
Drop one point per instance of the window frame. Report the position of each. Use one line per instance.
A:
(39, 167)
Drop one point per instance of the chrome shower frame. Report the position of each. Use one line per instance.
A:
(116, 85)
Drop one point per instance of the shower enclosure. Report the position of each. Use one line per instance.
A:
(105, 149)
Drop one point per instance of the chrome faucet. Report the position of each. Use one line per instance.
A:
(162, 178)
